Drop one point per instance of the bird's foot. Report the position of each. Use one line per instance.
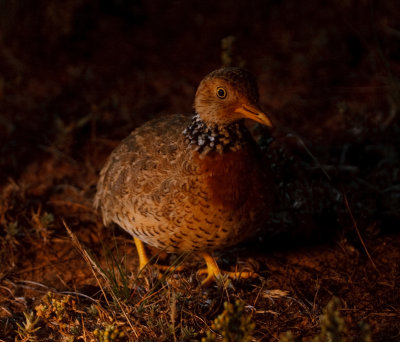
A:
(168, 268)
(144, 260)
(214, 273)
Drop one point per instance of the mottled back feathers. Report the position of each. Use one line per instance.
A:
(187, 184)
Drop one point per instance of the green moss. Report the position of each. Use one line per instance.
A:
(234, 325)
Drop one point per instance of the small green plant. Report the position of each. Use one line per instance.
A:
(92, 311)
(109, 334)
(13, 232)
(61, 311)
(117, 274)
(53, 308)
(27, 331)
(286, 337)
(42, 223)
(233, 324)
(13, 229)
(188, 333)
(333, 326)
(366, 331)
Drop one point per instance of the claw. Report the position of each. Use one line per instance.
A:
(144, 260)
(213, 272)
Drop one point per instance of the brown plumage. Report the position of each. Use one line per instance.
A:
(192, 184)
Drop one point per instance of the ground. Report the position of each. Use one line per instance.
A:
(77, 76)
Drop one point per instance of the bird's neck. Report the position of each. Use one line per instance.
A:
(205, 138)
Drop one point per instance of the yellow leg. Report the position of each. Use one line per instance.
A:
(144, 260)
(214, 272)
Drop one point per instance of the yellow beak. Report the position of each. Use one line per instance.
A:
(253, 113)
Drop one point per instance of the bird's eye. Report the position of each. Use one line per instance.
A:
(221, 92)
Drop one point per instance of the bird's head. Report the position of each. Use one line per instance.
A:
(227, 95)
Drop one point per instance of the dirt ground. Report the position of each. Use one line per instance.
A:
(77, 76)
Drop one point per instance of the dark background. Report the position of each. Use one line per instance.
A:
(77, 76)
(120, 62)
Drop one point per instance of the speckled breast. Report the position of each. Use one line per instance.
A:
(172, 197)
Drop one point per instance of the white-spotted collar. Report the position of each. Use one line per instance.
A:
(215, 138)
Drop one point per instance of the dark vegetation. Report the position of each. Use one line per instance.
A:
(76, 76)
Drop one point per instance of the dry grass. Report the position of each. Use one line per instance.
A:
(70, 90)
(60, 281)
